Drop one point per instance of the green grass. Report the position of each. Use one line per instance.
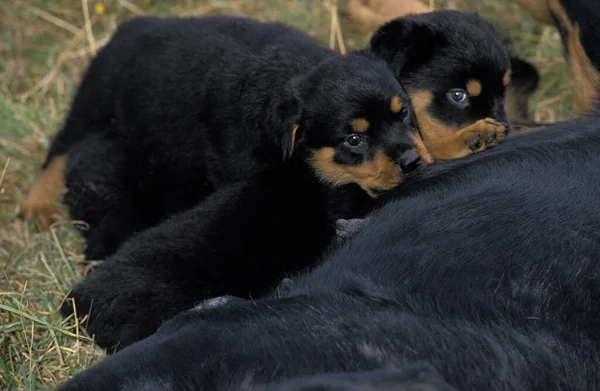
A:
(43, 50)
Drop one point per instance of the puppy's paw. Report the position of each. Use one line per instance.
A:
(481, 135)
(118, 304)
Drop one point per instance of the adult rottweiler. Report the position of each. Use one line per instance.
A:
(488, 268)
(245, 237)
(577, 21)
(160, 106)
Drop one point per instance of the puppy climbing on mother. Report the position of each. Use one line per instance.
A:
(173, 109)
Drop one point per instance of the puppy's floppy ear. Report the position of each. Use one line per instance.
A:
(289, 118)
(403, 40)
(290, 121)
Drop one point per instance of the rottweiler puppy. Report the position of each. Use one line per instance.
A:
(577, 21)
(172, 109)
(487, 268)
(455, 70)
(235, 241)
(524, 76)
(140, 131)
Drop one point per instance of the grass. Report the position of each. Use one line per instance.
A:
(44, 46)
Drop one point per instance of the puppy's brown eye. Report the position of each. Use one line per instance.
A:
(354, 140)
(458, 96)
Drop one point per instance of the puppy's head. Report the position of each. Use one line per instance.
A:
(352, 122)
(454, 68)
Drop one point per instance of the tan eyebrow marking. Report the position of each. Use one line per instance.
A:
(396, 104)
(360, 125)
(474, 87)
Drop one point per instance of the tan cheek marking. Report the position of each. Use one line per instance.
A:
(360, 125)
(506, 79)
(40, 205)
(474, 87)
(379, 173)
(444, 142)
(586, 77)
(396, 104)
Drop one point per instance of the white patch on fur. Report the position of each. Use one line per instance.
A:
(379, 355)
(212, 303)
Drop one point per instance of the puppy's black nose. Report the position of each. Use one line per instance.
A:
(409, 160)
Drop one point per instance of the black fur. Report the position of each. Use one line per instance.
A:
(236, 241)
(487, 268)
(440, 51)
(189, 105)
(173, 109)
(416, 377)
(241, 240)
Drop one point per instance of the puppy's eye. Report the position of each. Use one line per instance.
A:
(405, 112)
(458, 96)
(354, 140)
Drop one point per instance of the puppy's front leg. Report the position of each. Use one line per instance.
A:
(240, 241)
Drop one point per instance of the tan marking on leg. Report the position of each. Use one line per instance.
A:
(474, 87)
(40, 205)
(396, 105)
(360, 125)
(586, 78)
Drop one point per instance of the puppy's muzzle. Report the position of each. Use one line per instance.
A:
(409, 161)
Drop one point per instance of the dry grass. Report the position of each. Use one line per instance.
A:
(44, 46)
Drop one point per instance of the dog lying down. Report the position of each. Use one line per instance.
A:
(487, 268)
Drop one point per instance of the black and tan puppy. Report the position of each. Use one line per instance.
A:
(455, 70)
(487, 268)
(172, 109)
(283, 129)
(245, 237)
(137, 137)
(371, 14)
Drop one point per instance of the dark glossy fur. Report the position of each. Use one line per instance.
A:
(416, 377)
(170, 119)
(173, 109)
(235, 242)
(487, 268)
(241, 241)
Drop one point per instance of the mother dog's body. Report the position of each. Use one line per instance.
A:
(487, 268)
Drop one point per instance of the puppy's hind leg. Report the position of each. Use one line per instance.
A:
(101, 188)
